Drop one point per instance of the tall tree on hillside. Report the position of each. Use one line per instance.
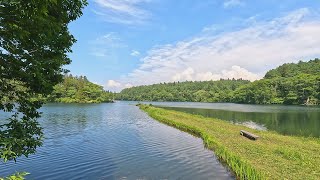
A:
(34, 42)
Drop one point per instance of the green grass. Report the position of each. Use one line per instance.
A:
(273, 156)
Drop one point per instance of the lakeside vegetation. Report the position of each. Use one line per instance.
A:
(76, 89)
(273, 156)
(34, 43)
(206, 91)
(288, 84)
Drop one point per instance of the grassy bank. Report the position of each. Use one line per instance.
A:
(273, 156)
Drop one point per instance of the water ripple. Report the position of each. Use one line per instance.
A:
(115, 141)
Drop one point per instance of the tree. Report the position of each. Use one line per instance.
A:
(288, 84)
(75, 89)
(34, 42)
(205, 91)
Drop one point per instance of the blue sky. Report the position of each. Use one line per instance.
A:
(123, 43)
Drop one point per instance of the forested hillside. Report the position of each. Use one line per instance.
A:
(75, 89)
(206, 91)
(292, 69)
(288, 84)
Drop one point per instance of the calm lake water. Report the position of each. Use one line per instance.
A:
(288, 120)
(114, 141)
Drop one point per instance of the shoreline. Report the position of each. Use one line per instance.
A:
(273, 156)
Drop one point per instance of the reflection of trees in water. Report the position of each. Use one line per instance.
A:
(287, 122)
(74, 117)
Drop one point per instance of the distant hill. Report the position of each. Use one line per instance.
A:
(292, 69)
(75, 89)
(287, 84)
(205, 91)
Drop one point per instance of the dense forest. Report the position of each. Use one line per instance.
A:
(288, 84)
(205, 91)
(75, 89)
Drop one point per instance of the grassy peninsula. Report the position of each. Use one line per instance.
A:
(273, 156)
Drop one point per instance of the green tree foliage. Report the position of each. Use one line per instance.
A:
(16, 176)
(34, 42)
(79, 90)
(288, 84)
(206, 91)
(292, 69)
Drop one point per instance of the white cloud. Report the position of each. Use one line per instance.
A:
(184, 75)
(106, 44)
(128, 85)
(247, 53)
(135, 53)
(122, 11)
(113, 84)
(235, 72)
(116, 86)
(232, 3)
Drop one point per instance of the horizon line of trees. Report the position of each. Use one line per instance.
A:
(199, 91)
(78, 89)
(290, 83)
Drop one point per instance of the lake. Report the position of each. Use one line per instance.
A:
(287, 120)
(114, 141)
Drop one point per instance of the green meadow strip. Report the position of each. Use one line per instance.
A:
(273, 156)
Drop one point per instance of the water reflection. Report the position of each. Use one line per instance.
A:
(286, 121)
(114, 141)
